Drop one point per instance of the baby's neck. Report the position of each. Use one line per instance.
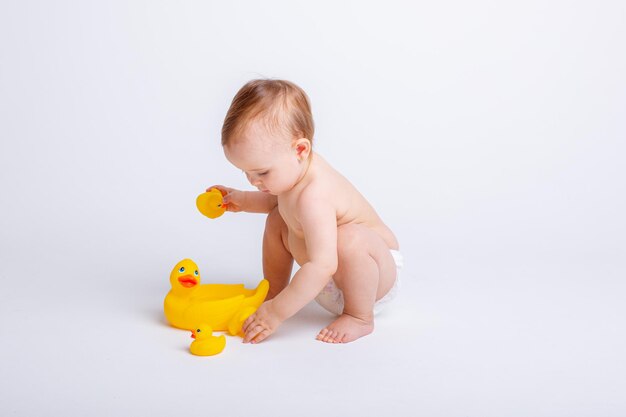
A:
(304, 177)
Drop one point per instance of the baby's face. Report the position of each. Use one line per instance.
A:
(271, 164)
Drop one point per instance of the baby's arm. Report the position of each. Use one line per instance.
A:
(256, 201)
(248, 201)
(319, 223)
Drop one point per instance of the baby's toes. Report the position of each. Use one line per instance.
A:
(330, 336)
(322, 334)
(341, 338)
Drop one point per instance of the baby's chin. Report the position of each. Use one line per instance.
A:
(268, 192)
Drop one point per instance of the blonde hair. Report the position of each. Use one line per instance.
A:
(280, 104)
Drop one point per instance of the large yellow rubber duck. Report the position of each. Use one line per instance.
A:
(223, 307)
(205, 344)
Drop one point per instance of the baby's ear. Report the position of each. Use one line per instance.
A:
(303, 148)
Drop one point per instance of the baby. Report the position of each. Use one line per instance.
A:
(348, 257)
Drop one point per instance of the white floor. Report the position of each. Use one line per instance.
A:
(463, 339)
(488, 135)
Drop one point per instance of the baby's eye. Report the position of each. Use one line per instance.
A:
(182, 269)
(196, 272)
(263, 173)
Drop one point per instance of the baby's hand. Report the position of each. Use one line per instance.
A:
(234, 200)
(261, 324)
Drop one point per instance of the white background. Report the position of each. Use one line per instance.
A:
(490, 136)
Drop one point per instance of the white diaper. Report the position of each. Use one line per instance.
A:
(331, 297)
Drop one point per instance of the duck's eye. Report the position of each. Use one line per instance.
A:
(196, 272)
(198, 331)
(182, 269)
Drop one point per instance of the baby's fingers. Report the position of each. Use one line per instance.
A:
(261, 336)
(221, 188)
(252, 332)
(247, 323)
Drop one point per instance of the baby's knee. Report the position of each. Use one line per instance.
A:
(274, 220)
(276, 229)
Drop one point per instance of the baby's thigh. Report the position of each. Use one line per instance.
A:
(355, 242)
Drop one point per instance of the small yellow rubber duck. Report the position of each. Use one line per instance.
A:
(205, 344)
(211, 203)
(223, 307)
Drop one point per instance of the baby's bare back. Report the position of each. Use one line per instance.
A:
(350, 206)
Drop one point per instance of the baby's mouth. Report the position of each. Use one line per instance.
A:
(187, 281)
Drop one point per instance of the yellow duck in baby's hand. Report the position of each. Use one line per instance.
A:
(211, 203)
(223, 307)
(205, 344)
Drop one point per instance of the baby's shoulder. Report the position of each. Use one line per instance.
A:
(312, 197)
(313, 192)
(321, 188)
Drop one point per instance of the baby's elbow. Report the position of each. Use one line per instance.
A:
(327, 268)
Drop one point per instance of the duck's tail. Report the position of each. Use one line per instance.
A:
(250, 305)
(260, 293)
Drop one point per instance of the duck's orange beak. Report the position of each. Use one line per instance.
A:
(193, 334)
(187, 281)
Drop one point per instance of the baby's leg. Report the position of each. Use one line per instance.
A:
(365, 273)
(277, 260)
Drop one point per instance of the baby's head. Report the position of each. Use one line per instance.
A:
(268, 134)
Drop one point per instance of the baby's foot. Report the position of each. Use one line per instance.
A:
(345, 329)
